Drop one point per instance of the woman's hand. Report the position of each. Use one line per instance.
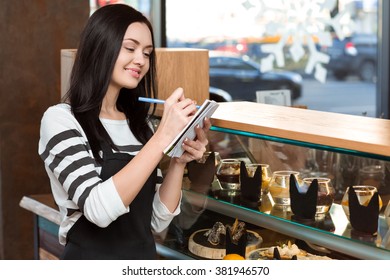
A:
(194, 149)
(170, 190)
(178, 111)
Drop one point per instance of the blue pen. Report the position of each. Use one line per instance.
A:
(154, 100)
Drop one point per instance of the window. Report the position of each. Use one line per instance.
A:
(325, 51)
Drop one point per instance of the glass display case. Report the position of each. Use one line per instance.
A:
(348, 150)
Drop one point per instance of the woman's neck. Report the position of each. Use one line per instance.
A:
(109, 109)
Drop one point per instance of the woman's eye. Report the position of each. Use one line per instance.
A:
(130, 49)
(147, 54)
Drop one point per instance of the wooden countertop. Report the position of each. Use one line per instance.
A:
(42, 205)
(364, 134)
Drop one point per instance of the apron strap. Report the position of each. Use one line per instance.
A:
(106, 149)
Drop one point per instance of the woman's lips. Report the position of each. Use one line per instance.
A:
(134, 72)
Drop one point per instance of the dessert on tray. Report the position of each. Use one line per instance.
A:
(287, 251)
(211, 243)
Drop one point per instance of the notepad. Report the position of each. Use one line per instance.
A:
(174, 149)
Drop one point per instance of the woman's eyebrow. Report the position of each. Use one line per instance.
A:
(137, 42)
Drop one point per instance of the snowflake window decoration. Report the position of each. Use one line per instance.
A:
(301, 23)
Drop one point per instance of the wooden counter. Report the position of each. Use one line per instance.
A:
(42, 205)
(364, 134)
(46, 224)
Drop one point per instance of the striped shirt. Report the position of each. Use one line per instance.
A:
(74, 173)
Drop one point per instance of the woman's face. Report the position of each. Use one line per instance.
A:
(133, 59)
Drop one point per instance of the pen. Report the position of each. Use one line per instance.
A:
(154, 100)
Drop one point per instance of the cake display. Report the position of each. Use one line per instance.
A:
(211, 243)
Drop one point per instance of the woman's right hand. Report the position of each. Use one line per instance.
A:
(178, 111)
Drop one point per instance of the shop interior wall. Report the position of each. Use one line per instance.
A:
(32, 35)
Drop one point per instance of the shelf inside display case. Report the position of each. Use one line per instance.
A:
(332, 232)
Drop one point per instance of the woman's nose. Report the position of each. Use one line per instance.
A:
(139, 58)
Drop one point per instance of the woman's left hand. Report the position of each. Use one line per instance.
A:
(194, 149)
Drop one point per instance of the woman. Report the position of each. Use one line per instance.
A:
(99, 150)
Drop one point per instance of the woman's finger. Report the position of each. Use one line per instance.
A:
(206, 124)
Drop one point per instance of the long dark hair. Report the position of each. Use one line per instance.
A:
(97, 53)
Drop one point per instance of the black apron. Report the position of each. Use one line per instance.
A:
(129, 236)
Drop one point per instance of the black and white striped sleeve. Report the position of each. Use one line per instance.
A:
(73, 172)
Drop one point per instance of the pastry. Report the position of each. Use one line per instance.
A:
(237, 230)
(216, 234)
(286, 251)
